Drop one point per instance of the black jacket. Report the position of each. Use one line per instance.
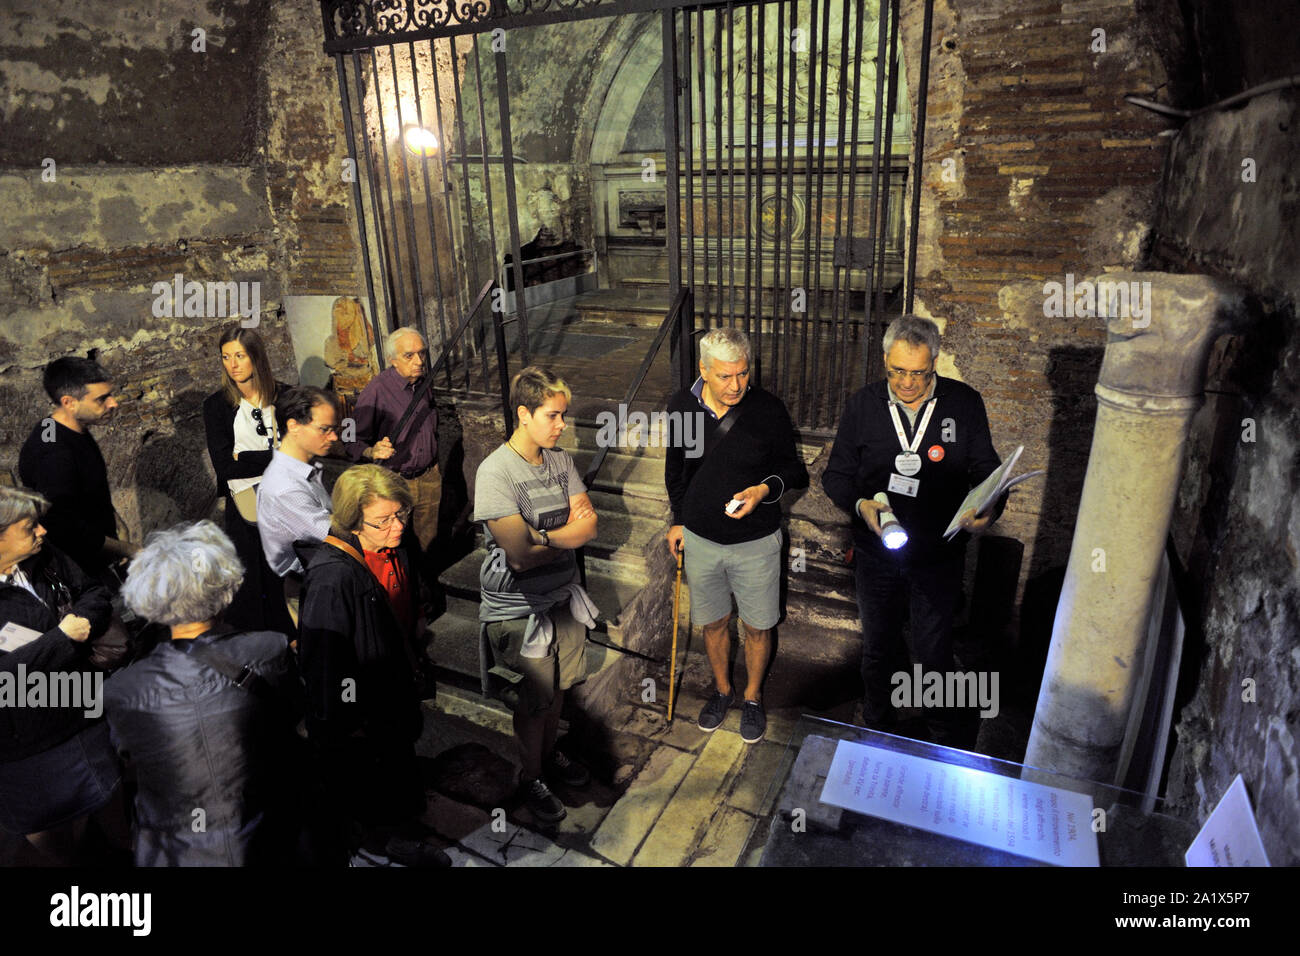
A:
(357, 661)
(760, 444)
(862, 460)
(198, 742)
(25, 731)
(219, 427)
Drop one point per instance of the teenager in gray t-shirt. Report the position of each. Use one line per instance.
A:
(536, 513)
(509, 485)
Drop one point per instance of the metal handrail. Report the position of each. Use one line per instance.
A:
(675, 315)
(681, 314)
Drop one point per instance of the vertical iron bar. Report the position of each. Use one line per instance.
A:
(832, 358)
(749, 191)
(388, 187)
(816, 313)
(731, 160)
(809, 223)
(872, 278)
(376, 209)
(356, 190)
(512, 208)
(428, 196)
(922, 94)
(409, 211)
(503, 370)
(779, 210)
(793, 95)
(487, 175)
(687, 90)
(860, 19)
(467, 244)
(756, 199)
(704, 161)
(671, 158)
(717, 139)
(887, 147)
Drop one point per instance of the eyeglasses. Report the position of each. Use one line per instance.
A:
(327, 429)
(403, 517)
(909, 374)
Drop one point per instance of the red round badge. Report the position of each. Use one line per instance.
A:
(935, 453)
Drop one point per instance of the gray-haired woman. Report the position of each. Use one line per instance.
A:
(206, 718)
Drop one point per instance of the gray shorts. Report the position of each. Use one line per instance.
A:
(750, 570)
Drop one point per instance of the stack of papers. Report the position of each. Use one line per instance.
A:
(989, 490)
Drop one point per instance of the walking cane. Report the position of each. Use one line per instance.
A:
(672, 664)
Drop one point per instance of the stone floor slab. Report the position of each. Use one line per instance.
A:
(631, 818)
(725, 839)
(754, 792)
(674, 835)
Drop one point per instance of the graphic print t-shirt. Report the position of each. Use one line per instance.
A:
(508, 485)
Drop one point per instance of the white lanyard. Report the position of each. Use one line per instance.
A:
(920, 428)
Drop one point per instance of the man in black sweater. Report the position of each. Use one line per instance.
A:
(726, 517)
(924, 441)
(62, 461)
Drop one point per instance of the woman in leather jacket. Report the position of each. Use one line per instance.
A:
(206, 718)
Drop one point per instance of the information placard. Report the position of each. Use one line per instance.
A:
(1033, 820)
(1230, 836)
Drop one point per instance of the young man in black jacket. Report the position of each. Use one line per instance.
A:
(726, 516)
(924, 441)
(62, 461)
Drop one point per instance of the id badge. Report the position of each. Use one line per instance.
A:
(904, 486)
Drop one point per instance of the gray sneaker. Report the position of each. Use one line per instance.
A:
(753, 722)
(713, 713)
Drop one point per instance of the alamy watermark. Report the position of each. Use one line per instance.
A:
(80, 909)
(625, 429)
(61, 689)
(1101, 299)
(191, 299)
(948, 689)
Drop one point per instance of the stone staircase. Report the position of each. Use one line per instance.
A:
(818, 641)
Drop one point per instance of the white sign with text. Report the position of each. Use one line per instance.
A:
(1230, 836)
(1005, 813)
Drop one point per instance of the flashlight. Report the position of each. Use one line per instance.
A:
(891, 532)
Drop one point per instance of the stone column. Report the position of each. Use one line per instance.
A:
(1151, 384)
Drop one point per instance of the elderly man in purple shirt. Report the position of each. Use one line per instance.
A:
(414, 452)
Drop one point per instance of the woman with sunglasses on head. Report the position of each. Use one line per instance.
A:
(357, 644)
(239, 419)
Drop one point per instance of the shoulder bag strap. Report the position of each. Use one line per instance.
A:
(347, 549)
(242, 676)
(724, 428)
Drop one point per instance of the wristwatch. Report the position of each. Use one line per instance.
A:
(546, 538)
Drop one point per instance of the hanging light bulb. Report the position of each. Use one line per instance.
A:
(419, 140)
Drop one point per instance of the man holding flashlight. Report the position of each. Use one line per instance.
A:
(924, 441)
(726, 517)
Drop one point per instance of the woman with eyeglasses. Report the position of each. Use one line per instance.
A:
(358, 622)
(239, 419)
(57, 765)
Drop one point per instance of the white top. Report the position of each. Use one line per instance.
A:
(247, 438)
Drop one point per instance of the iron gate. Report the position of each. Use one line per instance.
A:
(784, 192)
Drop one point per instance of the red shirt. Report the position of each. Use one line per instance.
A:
(386, 568)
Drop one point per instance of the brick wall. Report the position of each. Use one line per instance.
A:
(1034, 167)
(79, 253)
